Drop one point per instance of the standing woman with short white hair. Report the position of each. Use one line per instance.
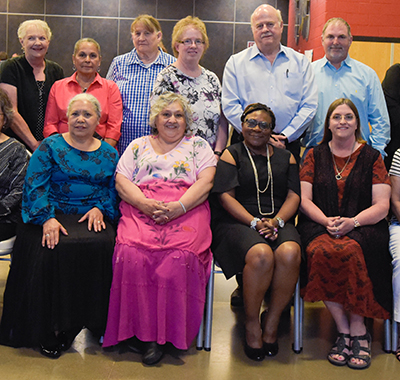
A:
(27, 80)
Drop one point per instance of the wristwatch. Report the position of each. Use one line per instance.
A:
(281, 222)
(253, 223)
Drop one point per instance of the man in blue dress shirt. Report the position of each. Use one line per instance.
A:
(339, 76)
(272, 74)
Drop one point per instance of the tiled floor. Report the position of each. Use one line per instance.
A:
(86, 360)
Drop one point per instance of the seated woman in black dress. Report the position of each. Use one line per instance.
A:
(259, 190)
(61, 271)
(13, 164)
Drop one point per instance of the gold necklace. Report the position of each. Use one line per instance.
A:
(338, 175)
(270, 181)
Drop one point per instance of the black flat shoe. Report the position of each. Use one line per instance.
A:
(256, 354)
(270, 349)
(152, 353)
(53, 352)
(65, 342)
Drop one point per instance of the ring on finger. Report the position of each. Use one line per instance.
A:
(47, 235)
(99, 221)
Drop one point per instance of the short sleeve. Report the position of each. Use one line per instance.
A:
(204, 155)
(226, 177)
(307, 170)
(380, 175)
(127, 163)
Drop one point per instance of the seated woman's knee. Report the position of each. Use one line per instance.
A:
(260, 255)
(288, 253)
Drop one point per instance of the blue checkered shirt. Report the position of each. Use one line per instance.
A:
(135, 82)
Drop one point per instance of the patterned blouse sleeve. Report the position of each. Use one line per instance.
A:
(307, 170)
(380, 175)
(16, 175)
(36, 207)
(127, 163)
(204, 155)
(109, 204)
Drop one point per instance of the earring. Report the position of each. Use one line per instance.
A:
(98, 69)
(73, 68)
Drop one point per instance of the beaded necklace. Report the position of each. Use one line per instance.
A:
(270, 181)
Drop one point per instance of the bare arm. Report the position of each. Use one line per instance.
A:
(131, 194)
(222, 134)
(19, 125)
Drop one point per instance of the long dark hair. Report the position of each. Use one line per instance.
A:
(338, 102)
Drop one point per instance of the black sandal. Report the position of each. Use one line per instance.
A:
(338, 349)
(356, 348)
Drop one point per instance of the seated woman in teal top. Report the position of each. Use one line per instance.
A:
(61, 272)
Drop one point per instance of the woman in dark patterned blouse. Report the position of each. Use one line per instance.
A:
(13, 164)
(61, 273)
(345, 192)
(199, 86)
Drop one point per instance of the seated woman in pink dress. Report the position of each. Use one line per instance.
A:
(162, 255)
(86, 60)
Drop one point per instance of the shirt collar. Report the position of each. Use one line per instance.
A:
(255, 51)
(134, 59)
(72, 78)
(346, 62)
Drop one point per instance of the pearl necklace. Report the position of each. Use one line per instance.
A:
(270, 181)
(338, 175)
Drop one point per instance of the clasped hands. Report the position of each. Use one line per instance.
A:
(338, 226)
(162, 212)
(268, 229)
(52, 227)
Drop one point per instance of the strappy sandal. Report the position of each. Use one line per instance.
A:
(397, 353)
(356, 348)
(338, 349)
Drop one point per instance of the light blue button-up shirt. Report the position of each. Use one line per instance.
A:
(359, 83)
(286, 86)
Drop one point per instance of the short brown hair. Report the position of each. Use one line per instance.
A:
(337, 20)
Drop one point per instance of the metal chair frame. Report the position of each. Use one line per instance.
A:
(204, 336)
(205, 331)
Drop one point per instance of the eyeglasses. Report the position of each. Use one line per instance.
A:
(252, 123)
(338, 117)
(189, 42)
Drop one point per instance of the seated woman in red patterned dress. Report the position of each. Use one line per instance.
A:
(345, 198)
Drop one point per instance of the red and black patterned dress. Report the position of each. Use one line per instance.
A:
(336, 268)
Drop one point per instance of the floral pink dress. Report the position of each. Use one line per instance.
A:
(160, 272)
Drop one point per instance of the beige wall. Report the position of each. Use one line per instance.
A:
(378, 55)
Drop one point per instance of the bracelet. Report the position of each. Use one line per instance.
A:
(184, 208)
(218, 153)
(254, 222)
(356, 223)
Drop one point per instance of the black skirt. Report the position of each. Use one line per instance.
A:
(60, 289)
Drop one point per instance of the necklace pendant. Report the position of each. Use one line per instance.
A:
(338, 177)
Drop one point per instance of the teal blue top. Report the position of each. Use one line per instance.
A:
(65, 180)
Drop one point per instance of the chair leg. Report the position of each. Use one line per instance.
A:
(298, 320)
(395, 336)
(387, 347)
(209, 309)
(200, 335)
